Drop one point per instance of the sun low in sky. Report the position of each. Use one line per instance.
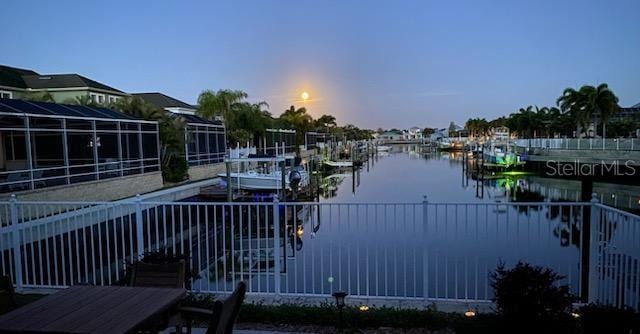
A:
(304, 96)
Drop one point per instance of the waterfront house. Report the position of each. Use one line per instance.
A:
(16, 83)
(439, 134)
(277, 138)
(415, 134)
(12, 84)
(392, 135)
(70, 152)
(205, 140)
(627, 113)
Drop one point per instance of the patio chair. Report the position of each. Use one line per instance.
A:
(165, 275)
(223, 315)
(7, 295)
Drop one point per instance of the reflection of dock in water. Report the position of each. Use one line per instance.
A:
(617, 195)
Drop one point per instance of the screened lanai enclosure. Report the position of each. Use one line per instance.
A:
(314, 139)
(205, 141)
(48, 144)
(277, 138)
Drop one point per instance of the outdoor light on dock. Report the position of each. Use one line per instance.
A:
(575, 314)
(364, 308)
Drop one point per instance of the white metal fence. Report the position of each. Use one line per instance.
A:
(405, 251)
(609, 144)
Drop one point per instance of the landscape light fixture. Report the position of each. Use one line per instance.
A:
(340, 296)
(470, 313)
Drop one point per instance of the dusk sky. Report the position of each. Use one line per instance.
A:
(371, 63)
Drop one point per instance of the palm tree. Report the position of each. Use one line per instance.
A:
(572, 103)
(299, 120)
(325, 122)
(589, 102)
(604, 103)
(82, 100)
(249, 122)
(136, 106)
(44, 96)
(220, 103)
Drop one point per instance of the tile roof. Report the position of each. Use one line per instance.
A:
(163, 101)
(12, 76)
(47, 81)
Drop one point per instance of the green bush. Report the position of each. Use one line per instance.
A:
(176, 170)
(529, 298)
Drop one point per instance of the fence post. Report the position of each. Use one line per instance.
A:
(139, 227)
(594, 246)
(276, 246)
(425, 259)
(15, 233)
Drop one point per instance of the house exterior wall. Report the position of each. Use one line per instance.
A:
(64, 96)
(15, 93)
(103, 190)
(202, 172)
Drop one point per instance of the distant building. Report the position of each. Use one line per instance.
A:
(625, 113)
(392, 136)
(17, 83)
(500, 133)
(439, 134)
(415, 133)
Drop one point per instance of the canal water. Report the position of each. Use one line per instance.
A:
(372, 234)
(406, 174)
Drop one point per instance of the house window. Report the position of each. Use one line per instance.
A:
(97, 98)
(112, 99)
(5, 95)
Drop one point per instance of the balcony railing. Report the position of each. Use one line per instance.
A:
(420, 251)
(607, 144)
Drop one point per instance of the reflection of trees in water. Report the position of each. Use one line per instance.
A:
(329, 186)
(569, 217)
(570, 223)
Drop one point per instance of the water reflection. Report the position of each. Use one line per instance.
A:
(408, 172)
(405, 249)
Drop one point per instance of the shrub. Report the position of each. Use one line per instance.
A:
(608, 319)
(176, 170)
(529, 297)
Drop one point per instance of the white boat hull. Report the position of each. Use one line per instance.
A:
(257, 181)
(338, 163)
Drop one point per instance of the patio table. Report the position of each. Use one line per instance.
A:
(93, 309)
